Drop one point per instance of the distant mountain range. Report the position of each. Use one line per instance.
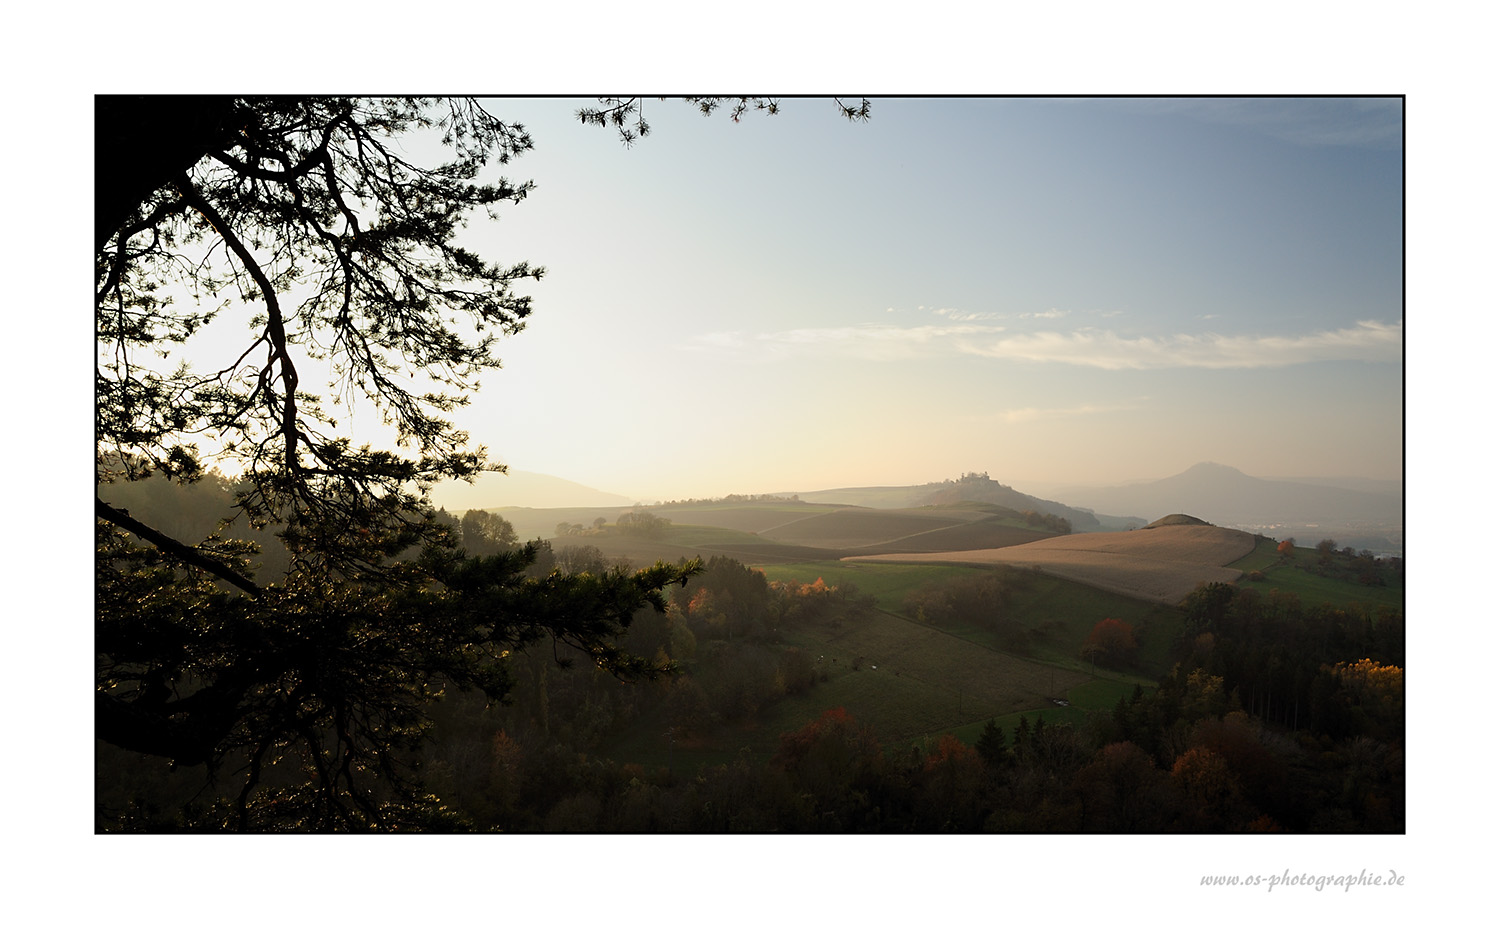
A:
(1221, 494)
(1228, 497)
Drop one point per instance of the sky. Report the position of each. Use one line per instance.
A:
(1052, 290)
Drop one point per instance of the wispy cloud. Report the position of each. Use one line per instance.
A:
(1365, 341)
(966, 316)
(1087, 347)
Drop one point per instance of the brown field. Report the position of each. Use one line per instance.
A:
(744, 517)
(857, 528)
(1162, 564)
(984, 533)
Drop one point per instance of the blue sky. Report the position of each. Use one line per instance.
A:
(1052, 290)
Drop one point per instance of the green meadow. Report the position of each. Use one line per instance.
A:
(1059, 612)
(1299, 574)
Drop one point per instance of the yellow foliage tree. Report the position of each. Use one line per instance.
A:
(1375, 691)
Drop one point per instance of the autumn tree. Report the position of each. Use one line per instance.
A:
(1374, 695)
(1203, 696)
(1256, 759)
(1212, 792)
(949, 787)
(841, 766)
(1121, 790)
(1111, 643)
(982, 599)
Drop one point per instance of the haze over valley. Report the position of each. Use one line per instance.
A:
(1362, 514)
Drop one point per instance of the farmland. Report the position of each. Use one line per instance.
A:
(679, 542)
(1057, 612)
(911, 680)
(1161, 564)
(778, 532)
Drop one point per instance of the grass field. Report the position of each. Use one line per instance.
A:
(856, 528)
(1098, 694)
(889, 584)
(1062, 612)
(1292, 576)
(1067, 611)
(913, 681)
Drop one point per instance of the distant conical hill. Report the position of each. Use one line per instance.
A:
(1178, 519)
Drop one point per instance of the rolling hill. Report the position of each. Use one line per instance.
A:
(972, 510)
(971, 488)
(780, 531)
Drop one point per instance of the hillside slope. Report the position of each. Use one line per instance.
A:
(1161, 564)
(971, 488)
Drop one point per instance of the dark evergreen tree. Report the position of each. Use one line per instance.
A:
(305, 219)
(991, 745)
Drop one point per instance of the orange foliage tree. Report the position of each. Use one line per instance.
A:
(838, 764)
(1111, 642)
(950, 787)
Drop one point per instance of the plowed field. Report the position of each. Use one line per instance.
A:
(856, 528)
(1163, 564)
